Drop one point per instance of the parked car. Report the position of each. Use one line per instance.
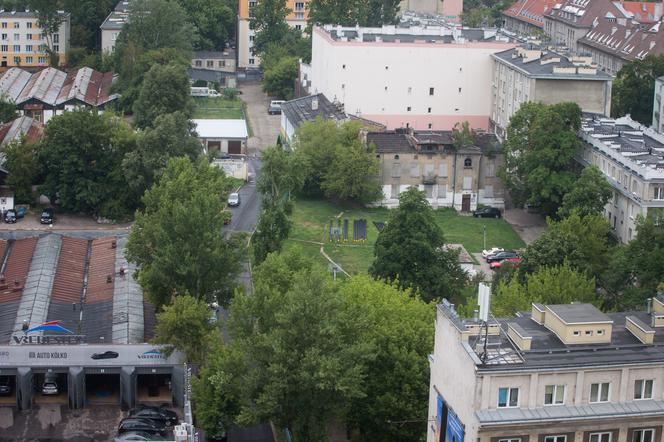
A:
(155, 413)
(105, 355)
(275, 107)
(501, 255)
(5, 386)
(487, 212)
(491, 251)
(10, 216)
(139, 424)
(20, 211)
(498, 264)
(136, 435)
(47, 216)
(234, 200)
(50, 385)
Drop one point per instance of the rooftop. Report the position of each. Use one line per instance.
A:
(311, 107)
(540, 63)
(578, 313)
(217, 128)
(530, 11)
(226, 54)
(118, 17)
(21, 126)
(411, 141)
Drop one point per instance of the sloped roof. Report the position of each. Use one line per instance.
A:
(582, 13)
(309, 108)
(643, 11)
(12, 130)
(629, 41)
(530, 11)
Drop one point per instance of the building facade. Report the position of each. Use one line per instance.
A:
(222, 61)
(449, 9)
(658, 106)
(112, 26)
(246, 59)
(461, 178)
(23, 42)
(631, 157)
(526, 17)
(560, 373)
(427, 78)
(521, 75)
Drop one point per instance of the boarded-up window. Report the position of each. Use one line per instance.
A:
(414, 170)
(428, 170)
(467, 183)
(428, 189)
(396, 170)
(442, 170)
(488, 191)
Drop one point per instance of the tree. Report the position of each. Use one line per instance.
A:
(7, 111)
(272, 229)
(176, 240)
(353, 175)
(86, 18)
(172, 136)
(410, 251)
(304, 363)
(81, 153)
(400, 331)
(633, 86)
(268, 20)
(165, 89)
(214, 21)
(350, 13)
(21, 160)
(184, 325)
(539, 153)
(49, 19)
(548, 285)
(279, 81)
(589, 194)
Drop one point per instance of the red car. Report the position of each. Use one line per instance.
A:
(498, 264)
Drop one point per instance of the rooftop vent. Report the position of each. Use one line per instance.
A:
(314, 104)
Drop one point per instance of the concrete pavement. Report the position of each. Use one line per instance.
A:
(529, 226)
(265, 127)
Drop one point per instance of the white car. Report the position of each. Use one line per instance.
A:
(234, 199)
(493, 251)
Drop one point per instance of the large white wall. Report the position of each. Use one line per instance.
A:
(380, 80)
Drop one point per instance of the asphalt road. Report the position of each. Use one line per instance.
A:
(245, 216)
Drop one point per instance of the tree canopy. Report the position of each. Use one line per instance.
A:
(588, 195)
(165, 89)
(539, 153)
(410, 251)
(213, 19)
(176, 240)
(355, 12)
(633, 88)
(22, 162)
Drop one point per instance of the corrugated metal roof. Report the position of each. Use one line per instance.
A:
(127, 301)
(97, 315)
(13, 130)
(15, 274)
(13, 82)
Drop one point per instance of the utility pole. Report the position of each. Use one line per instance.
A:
(484, 236)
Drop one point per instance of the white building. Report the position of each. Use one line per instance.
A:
(222, 136)
(424, 77)
(631, 157)
(658, 106)
(111, 27)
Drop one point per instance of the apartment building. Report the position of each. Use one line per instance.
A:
(559, 373)
(112, 25)
(461, 178)
(222, 61)
(526, 17)
(23, 42)
(658, 106)
(631, 156)
(449, 9)
(424, 77)
(297, 19)
(532, 74)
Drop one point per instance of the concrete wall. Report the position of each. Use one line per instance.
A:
(591, 95)
(390, 82)
(108, 38)
(450, 9)
(214, 64)
(561, 32)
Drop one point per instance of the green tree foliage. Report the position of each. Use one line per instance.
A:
(337, 164)
(409, 250)
(268, 20)
(633, 86)
(49, 19)
(183, 325)
(539, 153)
(272, 229)
(7, 111)
(478, 13)
(21, 160)
(400, 331)
(304, 363)
(589, 194)
(214, 21)
(170, 137)
(81, 154)
(548, 285)
(176, 239)
(165, 89)
(279, 80)
(86, 17)
(586, 243)
(361, 12)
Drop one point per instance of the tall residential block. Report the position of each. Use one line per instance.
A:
(23, 43)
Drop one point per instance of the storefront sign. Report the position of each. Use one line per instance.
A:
(49, 340)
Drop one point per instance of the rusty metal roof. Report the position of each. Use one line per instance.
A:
(97, 323)
(17, 255)
(13, 130)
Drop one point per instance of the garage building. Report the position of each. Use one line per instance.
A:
(222, 137)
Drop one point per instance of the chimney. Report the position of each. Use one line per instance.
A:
(314, 104)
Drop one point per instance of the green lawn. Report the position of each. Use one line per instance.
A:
(311, 219)
(216, 107)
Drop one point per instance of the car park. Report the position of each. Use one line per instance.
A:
(140, 424)
(47, 216)
(5, 386)
(275, 107)
(105, 355)
(491, 251)
(498, 264)
(161, 414)
(10, 216)
(501, 255)
(234, 199)
(136, 436)
(487, 212)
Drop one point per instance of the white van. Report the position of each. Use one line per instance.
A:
(50, 384)
(203, 92)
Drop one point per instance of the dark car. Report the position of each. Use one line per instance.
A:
(105, 355)
(136, 435)
(487, 212)
(47, 216)
(10, 216)
(138, 424)
(155, 413)
(5, 386)
(501, 256)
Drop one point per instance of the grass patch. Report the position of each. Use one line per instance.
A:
(218, 108)
(311, 220)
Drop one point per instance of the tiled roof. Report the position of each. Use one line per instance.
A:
(545, 64)
(582, 13)
(309, 108)
(13, 130)
(57, 88)
(628, 42)
(17, 254)
(530, 11)
(98, 304)
(642, 11)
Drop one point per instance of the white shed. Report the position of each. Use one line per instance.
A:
(222, 136)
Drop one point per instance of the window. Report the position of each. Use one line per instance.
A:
(17, 48)
(599, 392)
(56, 38)
(555, 438)
(4, 25)
(28, 60)
(41, 60)
(600, 332)
(17, 25)
(198, 63)
(251, 61)
(643, 435)
(430, 91)
(459, 90)
(17, 60)
(394, 191)
(17, 36)
(396, 157)
(442, 170)
(415, 170)
(29, 24)
(210, 63)
(410, 90)
(251, 37)
(490, 169)
(488, 191)
(600, 437)
(396, 170)
(252, 4)
(429, 110)
(4, 36)
(468, 162)
(428, 190)
(298, 27)
(299, 6)
(28, 48)
(515, 439)
(56, 48)
(28, 36)
(299, 16)
(222, 63)
(408, 109)
(589, 332)
(554, 395)
(659, 193)
(507, 397)
(643, 389)
(576, 333)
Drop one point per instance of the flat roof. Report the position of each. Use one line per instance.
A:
(217, 128)
(544, 65)
(578, 313)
